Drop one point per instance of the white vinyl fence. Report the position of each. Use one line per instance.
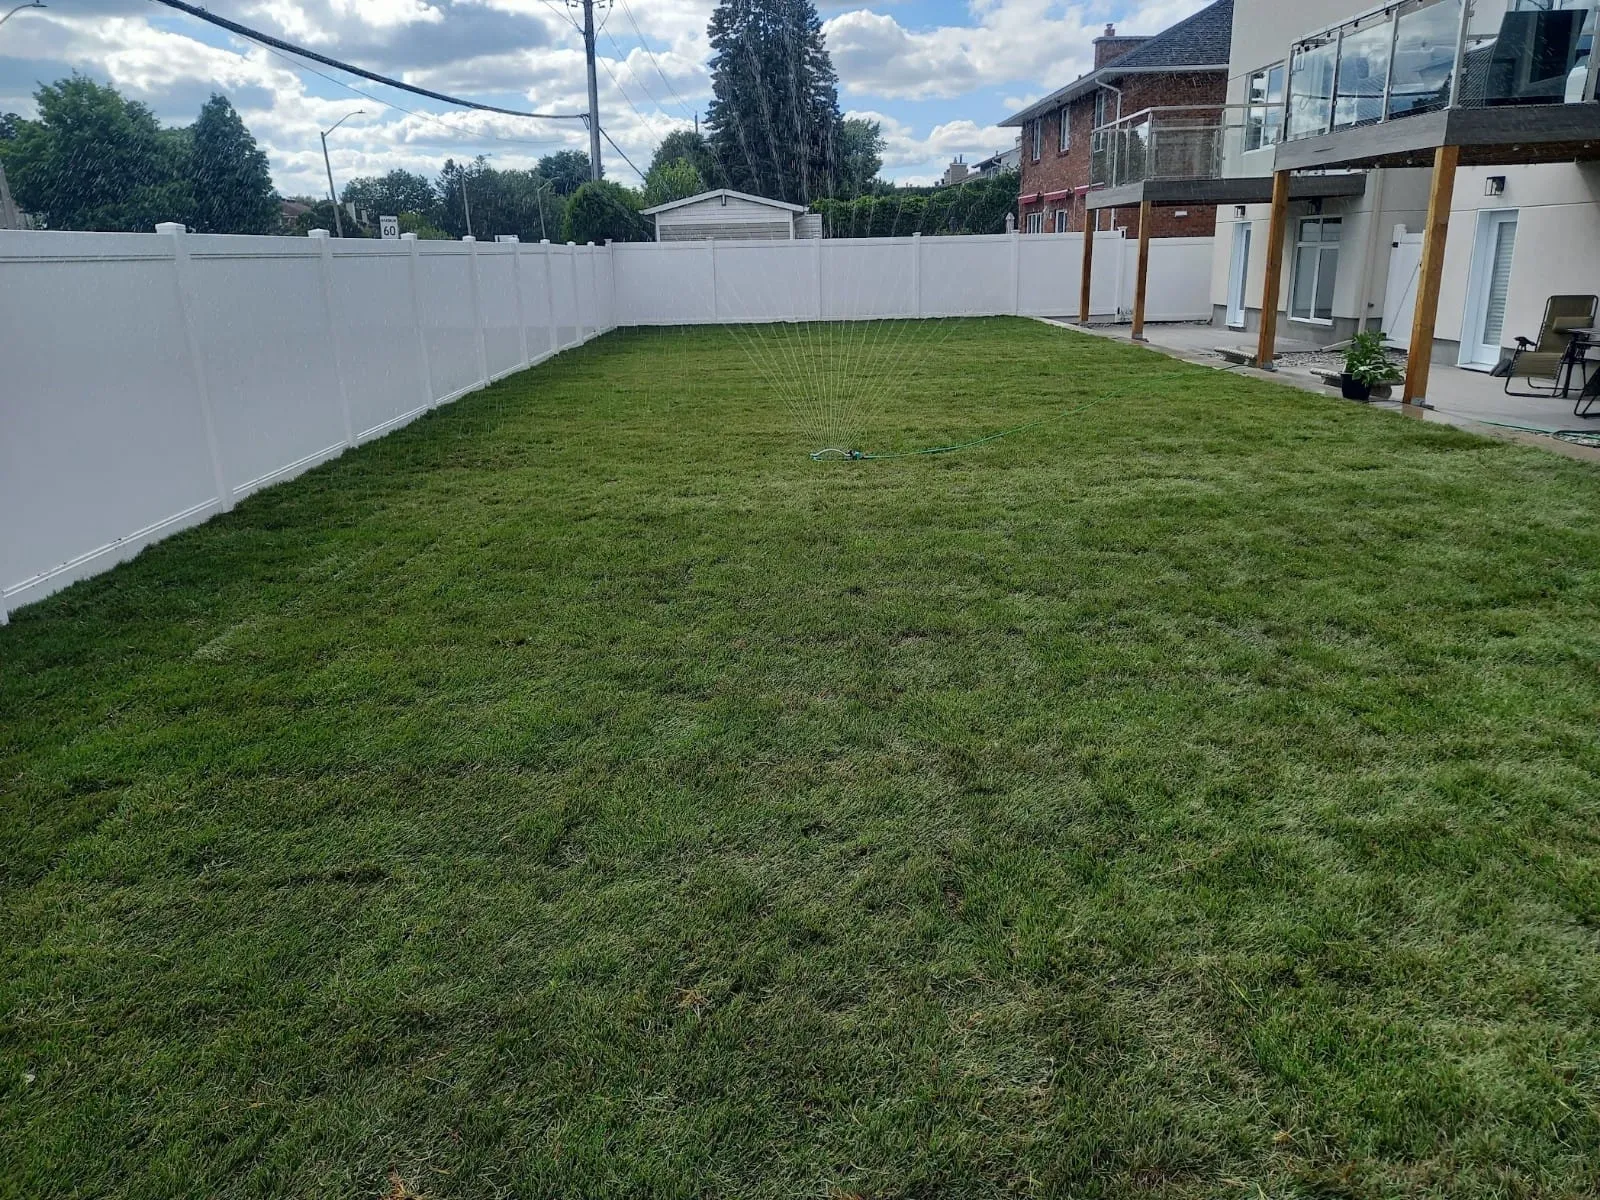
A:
(148, 381)
(845, 279)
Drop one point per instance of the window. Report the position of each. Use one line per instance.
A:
(1038, 128)
(1036, 222)
(1263, 121)
(1316, 270)
(1063, 131)
(1107, 106)
(1061, 220)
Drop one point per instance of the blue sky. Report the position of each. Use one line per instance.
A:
(939, 73)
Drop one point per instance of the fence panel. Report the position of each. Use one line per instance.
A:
(497, 297)
(971, 276)
(268, 354)
(103, 446)
(448, 325)
(865, 278)
(380, 350)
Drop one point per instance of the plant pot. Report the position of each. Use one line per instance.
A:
(1352, 388)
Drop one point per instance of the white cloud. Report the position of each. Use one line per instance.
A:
(1041, 41)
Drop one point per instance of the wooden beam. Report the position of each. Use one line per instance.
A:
(1431, 272)
(1142, 285)
(1084, 288)
(1272, 285)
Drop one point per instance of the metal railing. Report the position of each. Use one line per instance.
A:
(1175, 142)
(1410, 57)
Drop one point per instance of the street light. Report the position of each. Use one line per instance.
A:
(338, 225)
(19, 8)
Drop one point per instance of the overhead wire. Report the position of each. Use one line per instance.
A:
(267, 39)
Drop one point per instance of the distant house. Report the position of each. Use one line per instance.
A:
(730, 215)
(1173, 77)
(956, 172)
(1006, 160)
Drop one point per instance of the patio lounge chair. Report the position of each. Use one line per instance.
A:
(1551, 358)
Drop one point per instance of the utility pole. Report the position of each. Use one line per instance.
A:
(465, 207)
(594, 90)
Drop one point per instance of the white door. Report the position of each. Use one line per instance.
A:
(1400, 296)
(1238, 273)
(1484, 324)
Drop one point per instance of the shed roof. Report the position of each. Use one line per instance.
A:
(720, 192)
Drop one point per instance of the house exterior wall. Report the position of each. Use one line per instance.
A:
(1069, 170)
(1558, 230)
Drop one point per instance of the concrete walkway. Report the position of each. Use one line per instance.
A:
(1469, 399)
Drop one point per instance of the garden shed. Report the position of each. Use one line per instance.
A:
(725, 213)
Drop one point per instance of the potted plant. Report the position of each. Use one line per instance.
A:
(1366, 366)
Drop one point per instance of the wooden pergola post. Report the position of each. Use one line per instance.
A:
(1420, 358)
(1088, 264)
(1272, 285)
(1142, 284)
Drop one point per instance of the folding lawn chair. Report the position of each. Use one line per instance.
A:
(1557, 353)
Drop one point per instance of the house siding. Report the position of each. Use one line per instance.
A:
(1558, 235)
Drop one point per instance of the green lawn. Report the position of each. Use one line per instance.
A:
(581, 792)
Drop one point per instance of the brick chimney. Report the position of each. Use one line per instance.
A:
(1109, 48)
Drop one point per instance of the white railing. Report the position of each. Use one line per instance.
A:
(1170, 142)
(148, 381)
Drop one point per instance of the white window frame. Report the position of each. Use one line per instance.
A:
(1260, 133)
(1300, 242)
(1063, 130)
(1038, 137)
(1035, 221)
(1063, 216)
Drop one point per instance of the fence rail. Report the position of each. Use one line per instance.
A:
(148, 381)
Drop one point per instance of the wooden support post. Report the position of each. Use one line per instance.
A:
(1087, 285)
(1141, 285)
(1420, 359)
(1272, 285)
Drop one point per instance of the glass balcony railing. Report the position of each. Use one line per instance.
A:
(1164, 143)
(1420, 56)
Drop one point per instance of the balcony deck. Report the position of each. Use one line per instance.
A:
(1499, 136)
(1243, 189)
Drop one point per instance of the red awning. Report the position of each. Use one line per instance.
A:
(1061, 195)
(1030, 198)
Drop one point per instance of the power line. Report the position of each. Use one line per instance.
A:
(625, 158)
(410, 112)
(268, 40)
(628, 12)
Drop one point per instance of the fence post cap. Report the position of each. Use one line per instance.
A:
(469, 238)
(318, 233)
(408, 237)
(544, 241)
(171, 227)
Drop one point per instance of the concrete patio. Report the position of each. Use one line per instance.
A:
(1456, 396)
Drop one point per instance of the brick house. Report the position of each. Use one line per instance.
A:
(1187, 65)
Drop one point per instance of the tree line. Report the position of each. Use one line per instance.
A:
(94, 160)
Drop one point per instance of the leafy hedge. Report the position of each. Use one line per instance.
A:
(976, 206)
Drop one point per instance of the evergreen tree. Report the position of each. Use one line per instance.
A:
(774, 121)
(233, 190)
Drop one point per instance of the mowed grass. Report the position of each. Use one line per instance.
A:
(582, 793)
